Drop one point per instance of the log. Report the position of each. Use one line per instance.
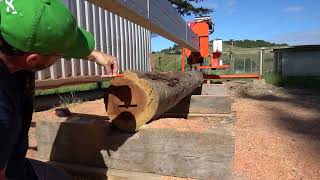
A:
(138, 97)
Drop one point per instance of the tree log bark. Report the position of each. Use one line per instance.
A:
(138, 97)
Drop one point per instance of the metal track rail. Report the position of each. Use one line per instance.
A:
(157, 16)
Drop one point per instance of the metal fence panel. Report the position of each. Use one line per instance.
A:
(114, 35)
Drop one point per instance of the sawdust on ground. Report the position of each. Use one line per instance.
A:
(277, 131)
(194, 125)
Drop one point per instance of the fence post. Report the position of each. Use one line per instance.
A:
(99, 85)
(261, 61)
(183, 59)
(232, 61)
(160, 63)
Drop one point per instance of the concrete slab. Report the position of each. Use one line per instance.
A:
(215, 89)
(202, 152)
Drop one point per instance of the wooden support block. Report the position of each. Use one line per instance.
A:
(215, 89)
(195, 148)
(208, 104)
(80, 172)
(200, 105)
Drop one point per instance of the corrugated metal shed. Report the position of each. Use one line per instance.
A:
(297, 60)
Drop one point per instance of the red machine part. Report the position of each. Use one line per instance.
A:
(214, 63)
(231, 76)
(202, 29)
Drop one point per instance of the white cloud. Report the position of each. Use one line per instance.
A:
(293, 9)
(298, 38)
(230, 6)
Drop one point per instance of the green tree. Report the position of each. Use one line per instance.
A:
(187, 7)
(253, 43)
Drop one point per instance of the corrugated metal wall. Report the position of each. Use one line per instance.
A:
(130, 43)
(300, 63)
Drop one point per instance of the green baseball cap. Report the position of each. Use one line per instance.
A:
(44, 27)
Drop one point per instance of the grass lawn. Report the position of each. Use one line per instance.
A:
(246, 60)
(73, 88)
(307, 82)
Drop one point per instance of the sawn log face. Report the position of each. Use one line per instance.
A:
(138, 97)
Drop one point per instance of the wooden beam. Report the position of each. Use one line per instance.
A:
(53, 83)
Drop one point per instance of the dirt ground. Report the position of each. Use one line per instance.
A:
(277, 131)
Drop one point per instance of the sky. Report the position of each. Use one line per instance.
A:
(296, 22)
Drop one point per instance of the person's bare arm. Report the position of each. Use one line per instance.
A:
(109, 62)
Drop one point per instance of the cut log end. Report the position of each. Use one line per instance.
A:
(138, 97)
(128, 100)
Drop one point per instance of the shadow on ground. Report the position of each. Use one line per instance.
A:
(298, 97)
(47, 102)
(305, 100)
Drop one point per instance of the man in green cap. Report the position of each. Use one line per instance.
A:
(33, 35)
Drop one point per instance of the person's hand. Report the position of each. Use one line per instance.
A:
(109, 62)
(2, 174)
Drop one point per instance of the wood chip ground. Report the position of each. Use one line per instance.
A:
(277, 131)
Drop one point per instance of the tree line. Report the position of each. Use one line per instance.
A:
(252, 43)
(176, 49)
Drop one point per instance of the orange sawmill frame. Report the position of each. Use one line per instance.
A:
(202, 29)
(232, 76)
